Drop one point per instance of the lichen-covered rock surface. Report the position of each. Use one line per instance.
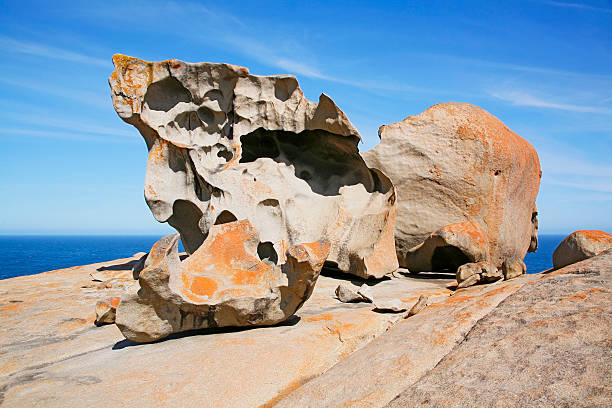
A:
(456, 163)
(581, 245)
(226, 145)
(229, 280)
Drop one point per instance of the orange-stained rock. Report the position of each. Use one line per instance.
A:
(581, 245)
(457, 163)
(226, 145)
(105, 310)
(232, 279)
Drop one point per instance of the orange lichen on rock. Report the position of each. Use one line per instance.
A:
(581, 245)
(232, 279)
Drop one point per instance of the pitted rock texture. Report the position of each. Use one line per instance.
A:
(226, 145)
(455, 163)
(581, 245)
(232, 279)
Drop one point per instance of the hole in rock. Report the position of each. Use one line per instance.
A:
(206, 115)
(497, 172)
(188, 120)
(225, 217)
(448, 258)
(326, 161)
(166, 94)
(227, 155)
(284, 87)
(185, 219)
(267, 253)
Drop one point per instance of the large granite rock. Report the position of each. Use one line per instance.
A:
(581, 245)
(226, 145)
(232, 279)
(456, 163)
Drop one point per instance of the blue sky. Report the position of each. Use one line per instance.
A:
(68, 164)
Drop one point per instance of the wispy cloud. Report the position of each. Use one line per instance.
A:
(521, 98)
(579, 6)
(66, 135)
(12, 45)
(588, 185)
(74, 94)
(508, 66)
(38, 120)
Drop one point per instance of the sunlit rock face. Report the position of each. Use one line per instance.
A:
(232, 279)
(456, 165)
(225, 145)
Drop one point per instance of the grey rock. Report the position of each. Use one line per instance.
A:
(366, 293)
(346, 294)
(389, 305)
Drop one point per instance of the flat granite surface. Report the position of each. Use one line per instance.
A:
(332, 354)
(52, 355)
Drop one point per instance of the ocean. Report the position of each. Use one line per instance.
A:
(32, 254)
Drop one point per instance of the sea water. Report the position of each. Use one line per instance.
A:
(31, 254)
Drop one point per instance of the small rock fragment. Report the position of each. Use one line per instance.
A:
(418, 306)
(512, 268)
(472, 273)
(390, 305)
(490, 273)
(98, 277)
(472, 280)
(467, 270)
(346, 294)
(366, 293)
(106, 310)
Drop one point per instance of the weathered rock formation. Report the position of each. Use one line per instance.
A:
(452, 164)
(229, 280)
(581, 245)
(225, 145)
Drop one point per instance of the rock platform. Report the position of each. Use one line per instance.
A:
(332, 354)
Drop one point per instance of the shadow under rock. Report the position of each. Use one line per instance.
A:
(291, 321)
(121, 267)
(430, 275)
(331, 271)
